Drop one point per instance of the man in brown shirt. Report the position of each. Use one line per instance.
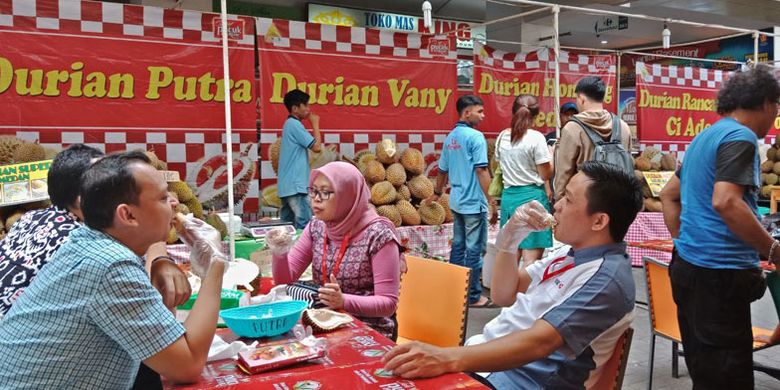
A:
(574, 146)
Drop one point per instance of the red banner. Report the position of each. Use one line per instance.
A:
(125, 77)
(499, 77)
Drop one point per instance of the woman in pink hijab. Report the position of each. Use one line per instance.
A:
(355, 254)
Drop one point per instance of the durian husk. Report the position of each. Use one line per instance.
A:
(155, 161)
(270, 197)
(642, 163)
(29, 152)
(273, 153)
(182, 208)
(668, 162)
(767, 166)
(771, 153)
(217, 223)
(387, 152)
(420, 186)
(390, 212)
(383, 193)
(396, 174)
(653, 205)
(8, 146)
(195, 208)
(431, 213)
(51, 153)
(776, 168)
(403, 193)
(363, 160)
(766, 191)
(374, 172)
(413, 161)
(771, 179)
(182, 191)
(444, 201)
(409, 215)
(650, 152)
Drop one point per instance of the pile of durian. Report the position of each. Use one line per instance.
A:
(188, 202)
(399, 186)
(770, 170)
(652, 159)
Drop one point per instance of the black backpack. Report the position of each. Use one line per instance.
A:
(611, 151)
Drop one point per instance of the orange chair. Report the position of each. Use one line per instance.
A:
(663, 314)
(615, 368)
(432, 305)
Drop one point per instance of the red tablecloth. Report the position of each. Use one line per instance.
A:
(353, 362)
(665, 247)
(647, 227)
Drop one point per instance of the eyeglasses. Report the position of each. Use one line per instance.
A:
(324, 195)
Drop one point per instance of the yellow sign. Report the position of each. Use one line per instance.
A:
(24, 183)
(657, 180)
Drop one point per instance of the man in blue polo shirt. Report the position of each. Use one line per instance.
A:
(294, 159)
(464, 162)
(710, 208)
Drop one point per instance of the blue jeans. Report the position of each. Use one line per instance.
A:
(469, 240)
(296, 209)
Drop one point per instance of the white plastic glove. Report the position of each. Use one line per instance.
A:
(279, 240)
(204, 241)
(530, 217)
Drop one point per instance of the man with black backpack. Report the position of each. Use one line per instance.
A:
(591, 135)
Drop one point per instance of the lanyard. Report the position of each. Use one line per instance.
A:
(339, 258)
(548, 274)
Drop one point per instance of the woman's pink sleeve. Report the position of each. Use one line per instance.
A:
(288, 268)
(387, 280)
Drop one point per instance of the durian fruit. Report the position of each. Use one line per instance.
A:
(653, 205)
(771, 179)
(655, 165)
(767, 166)
(420, 187)
(444, 201)
(642, 163)
(390, 212)
(639, 176)
(776, 168)
(270, 197)
(273, 153)
(182, 191)
(217, 223)
(196, 208)
(431, 213)
(403, 193)
(8, 146)
(383, 193)
(182, 208)
(50, 153)
(668, 162)
(173, 237)
(650, 152)
(413, 161)
(763, 177)
(771, 153)
(375, 172)
(155, 161)
(386, 151)
(766, 191)
(363, 160)
(396, 174)
(409, 215)
(11, 220)
(29, 152)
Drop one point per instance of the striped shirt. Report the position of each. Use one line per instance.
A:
(86, 322)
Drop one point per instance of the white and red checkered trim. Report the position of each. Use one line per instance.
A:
(542, 59)
(678, 76)
(184, 151)
(286, 34)
(122, 20)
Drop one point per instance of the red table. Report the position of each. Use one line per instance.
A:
(353, 362)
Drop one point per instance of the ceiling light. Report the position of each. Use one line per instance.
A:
(666, 36)
(604, 42)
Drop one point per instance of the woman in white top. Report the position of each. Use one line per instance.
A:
(526, 165)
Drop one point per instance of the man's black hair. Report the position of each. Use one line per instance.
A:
(593, 87)
(296, 97)
(614, 192)
(748, 90)
(65, 173)
(107, 184)
(467, 101)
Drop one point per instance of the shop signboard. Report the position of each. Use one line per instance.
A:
(499, 77)
(464, 31)
(657, 180)
(24, 183)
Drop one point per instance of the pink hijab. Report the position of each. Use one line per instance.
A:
(353, 212)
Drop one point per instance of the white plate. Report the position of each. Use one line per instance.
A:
(240, 272)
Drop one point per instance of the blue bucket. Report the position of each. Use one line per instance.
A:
(266, 320)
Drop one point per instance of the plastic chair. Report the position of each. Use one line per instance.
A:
(432, 306)
(663, 314)
(773, 284)
(615, 368)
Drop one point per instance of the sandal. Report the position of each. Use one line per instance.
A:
(487, 305)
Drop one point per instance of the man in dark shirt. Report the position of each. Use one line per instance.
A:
(718, 238)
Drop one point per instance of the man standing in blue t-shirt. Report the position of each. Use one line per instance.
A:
(294, 158)
(710, 208)
(464, 162)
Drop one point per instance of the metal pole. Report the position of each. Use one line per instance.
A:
(556, 10)
(755, 48)
(228, 129)
(617, 75)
